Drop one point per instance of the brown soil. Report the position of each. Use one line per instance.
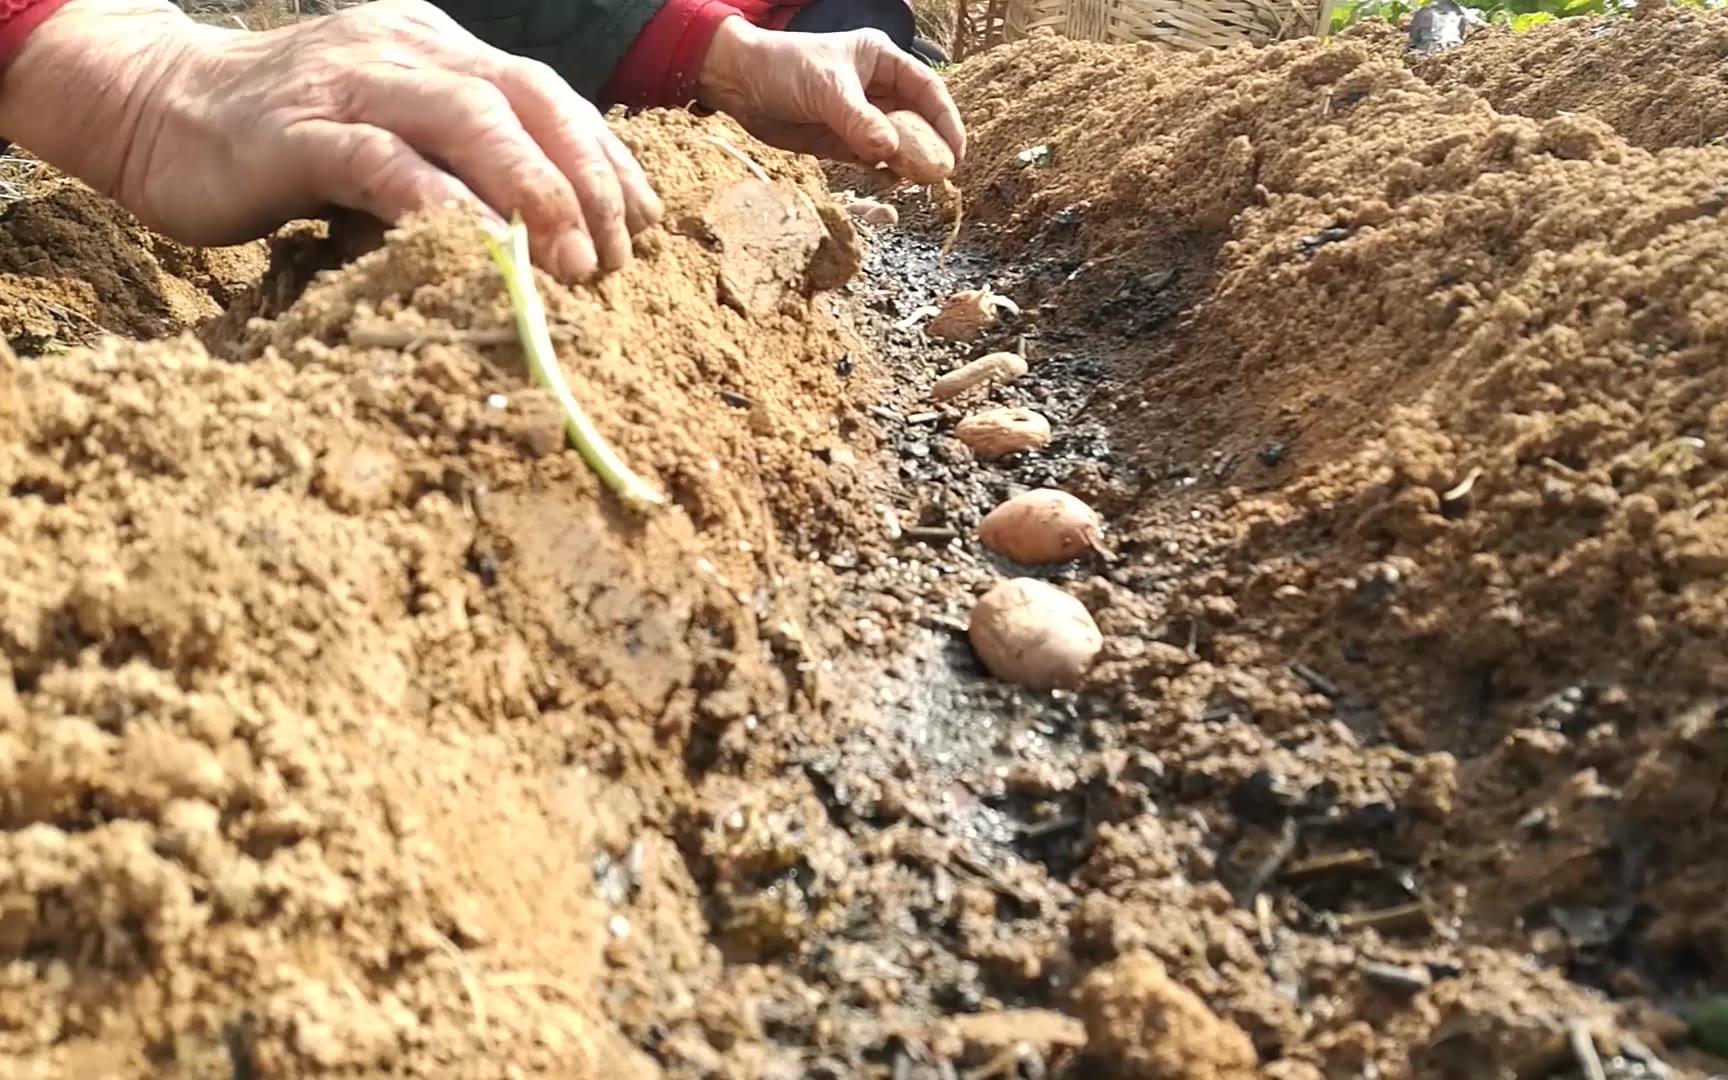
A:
(1451, 384)
(352, 730)
(330, 682)
(1656, 78)
(73, 267)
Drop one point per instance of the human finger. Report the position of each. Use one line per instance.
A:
(643, 207)
(841, 103)
(616, 198)
(468, 125)
(372, 170)
(900, 76)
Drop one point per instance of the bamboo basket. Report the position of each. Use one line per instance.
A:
(1026, 17)
(1190, 25)
(979, 25)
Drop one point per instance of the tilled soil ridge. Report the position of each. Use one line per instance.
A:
(74, 267)
(1656, 77)
(1459, 372)
(348, 728)
(327, 678)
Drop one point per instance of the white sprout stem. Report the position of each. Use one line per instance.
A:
(740, 156)
(509, 248)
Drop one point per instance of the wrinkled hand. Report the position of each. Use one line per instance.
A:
(824, 94)
(215, 136)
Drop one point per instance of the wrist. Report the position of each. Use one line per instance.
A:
(719, 82)
(84, 91)
(664, 65)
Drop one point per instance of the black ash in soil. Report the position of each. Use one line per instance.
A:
(952, 784)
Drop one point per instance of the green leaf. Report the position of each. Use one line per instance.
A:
(1710, 1026)
(1530, 21)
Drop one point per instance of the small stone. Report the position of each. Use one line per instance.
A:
(1434, 788)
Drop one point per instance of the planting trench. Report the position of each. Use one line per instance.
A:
(351, 731)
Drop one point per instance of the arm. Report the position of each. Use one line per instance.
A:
(76, 107)
(214, 136)
(17, 19)
(645, 53)
(821, 93)
(663, 65)
(631, 52)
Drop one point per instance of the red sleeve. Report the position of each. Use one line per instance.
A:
(17, 19)
(661, 66)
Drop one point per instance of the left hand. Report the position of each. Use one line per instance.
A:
(824, 94)
(216, 136)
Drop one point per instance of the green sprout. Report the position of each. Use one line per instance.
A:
(509, 248)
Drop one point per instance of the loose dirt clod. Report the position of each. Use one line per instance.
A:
(1040, 527)
(1032, 634)
(992, 369)
(769, 234)
(1142, 1026)
(997, 433)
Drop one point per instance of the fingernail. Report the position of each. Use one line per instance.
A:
(573, 257)
(885, 144)
(616, 254)
(645, 214)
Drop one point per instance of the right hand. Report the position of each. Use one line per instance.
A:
(824, 94)
(215, 136)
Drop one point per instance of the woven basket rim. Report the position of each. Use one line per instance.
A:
(1192, 24)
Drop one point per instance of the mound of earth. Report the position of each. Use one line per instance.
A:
(1655, 78)
(74, 266)
(1415, 293)
(349, 728)
(1450, 380)
(329, 678)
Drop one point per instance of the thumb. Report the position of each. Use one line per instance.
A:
(861, 126)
